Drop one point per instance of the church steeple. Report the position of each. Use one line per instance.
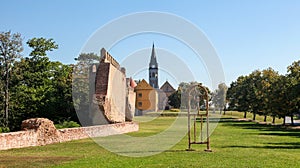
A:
(153, 69)
(153, 61)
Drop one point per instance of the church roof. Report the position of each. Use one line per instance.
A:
(153, 61)
(143, 85)
(167, 87)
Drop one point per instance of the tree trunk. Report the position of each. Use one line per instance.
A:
(224, 110)
(254, 116)
(245, 114)
(265, 119)
(273, 121)
(6, 96)
(283, 120)
(292, 119)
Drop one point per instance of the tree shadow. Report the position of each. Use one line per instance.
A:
(292, 145)
(265, 129)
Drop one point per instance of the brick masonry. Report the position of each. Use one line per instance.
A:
(41, 131)
(112, 97)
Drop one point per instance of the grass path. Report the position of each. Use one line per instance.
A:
(234, 144)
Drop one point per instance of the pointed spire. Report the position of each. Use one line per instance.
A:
(153, 62)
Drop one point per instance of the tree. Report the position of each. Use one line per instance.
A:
(255, 93)
(40, 46)
(293, 89)
(238, 95)
(81, 85)
(268, 82)
(219, 97)
(180, 97)
(33, 83)
(10, 49)
(88, 58)
(175, 99)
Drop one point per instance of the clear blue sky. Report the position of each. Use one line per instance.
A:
(247, 35)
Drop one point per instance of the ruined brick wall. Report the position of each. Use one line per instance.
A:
(110, 92)
(130, 99)
(40, 131)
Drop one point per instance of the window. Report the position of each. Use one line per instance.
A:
(140, 94)
(140, 104)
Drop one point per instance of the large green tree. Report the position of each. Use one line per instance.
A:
(267, 93)
(42, 88)
(10, 50)
(219, 97)
(82, 84)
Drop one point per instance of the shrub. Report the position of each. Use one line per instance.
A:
(4, 129)
(67, 124)
(175, 110)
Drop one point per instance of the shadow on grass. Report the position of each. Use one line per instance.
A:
(265, 130)
(294, 145)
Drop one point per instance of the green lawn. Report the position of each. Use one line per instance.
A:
(258, 117)
(234, 144)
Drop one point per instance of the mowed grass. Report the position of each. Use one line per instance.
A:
(258, 118)
(234, 144)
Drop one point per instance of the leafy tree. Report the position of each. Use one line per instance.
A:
(293, 89)
(40, 46)
(42, 88)
(175, 99)
(180, 97)
(269, 79)
(88, 58)
(81, 85)
(10, 49)
(238, 96)
(266, 92)
(255, 93)
(219, 97)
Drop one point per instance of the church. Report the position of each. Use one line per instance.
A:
(149, 97)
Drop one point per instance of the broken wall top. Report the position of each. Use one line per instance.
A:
(107, 58)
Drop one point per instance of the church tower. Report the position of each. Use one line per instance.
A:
(153, 70)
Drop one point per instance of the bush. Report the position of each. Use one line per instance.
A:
(67, 124)
(175, 110)
(4, 129)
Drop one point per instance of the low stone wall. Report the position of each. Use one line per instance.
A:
(41, 132)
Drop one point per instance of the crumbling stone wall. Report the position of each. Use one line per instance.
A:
(41, 131)
(44, 128)
(109, 99)
(130, 99)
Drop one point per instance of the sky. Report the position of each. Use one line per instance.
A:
(246, 35)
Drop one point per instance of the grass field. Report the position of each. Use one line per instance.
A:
(234, 144)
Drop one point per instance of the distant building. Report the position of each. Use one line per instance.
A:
(146, 98)
(167, 89)
(149, 97)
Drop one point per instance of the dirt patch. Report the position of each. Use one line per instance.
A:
(33, 161)
(242, 119)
